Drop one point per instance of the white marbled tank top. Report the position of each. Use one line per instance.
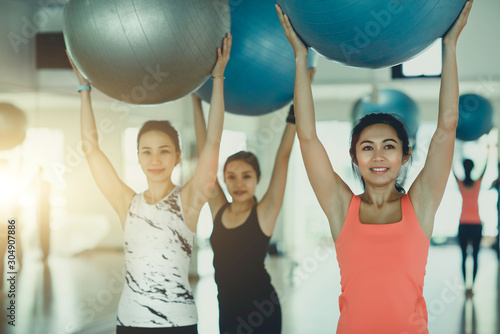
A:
(158, 245)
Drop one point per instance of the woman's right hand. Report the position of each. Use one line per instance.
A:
(298, 46)
(223, 57)
(80, 77)
(451, 36)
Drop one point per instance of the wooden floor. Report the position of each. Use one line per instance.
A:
(80, 294)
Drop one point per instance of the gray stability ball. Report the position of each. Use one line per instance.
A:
(145, 51)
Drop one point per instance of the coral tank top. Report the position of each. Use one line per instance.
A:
(382, 270)
(470, 204)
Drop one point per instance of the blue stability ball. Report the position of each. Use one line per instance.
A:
(367, 33)
(392, 102)
(145, 51)
(261, 73)
(475, 117)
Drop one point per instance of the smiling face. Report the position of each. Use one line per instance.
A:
(379, 155)
(157, 155)
(241, 180)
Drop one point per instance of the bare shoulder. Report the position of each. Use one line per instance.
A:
(425, 210)
(124, 207)
(192, 202)
(186, 193)
(339, 206)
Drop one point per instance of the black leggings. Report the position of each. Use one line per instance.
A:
(163, 330)
(470, 233)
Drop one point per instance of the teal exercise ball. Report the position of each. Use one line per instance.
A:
(261, 73)
(145, 51)
(475, 117)
(389, 101)
(367, 33)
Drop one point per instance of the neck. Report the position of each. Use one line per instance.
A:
(242, 206)
(380, 195)
(157, 190)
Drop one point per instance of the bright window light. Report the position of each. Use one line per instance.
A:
(427, 63)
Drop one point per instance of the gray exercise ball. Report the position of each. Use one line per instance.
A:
(145, 51)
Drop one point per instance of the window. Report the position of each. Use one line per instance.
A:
(425, 65)
(42, 154)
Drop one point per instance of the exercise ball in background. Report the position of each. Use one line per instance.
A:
(261, 73)
(475, 117)
(145, 51)
(12, 126)
(373, 34)
(392, 102)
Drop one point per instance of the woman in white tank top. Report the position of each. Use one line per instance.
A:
(159, 224)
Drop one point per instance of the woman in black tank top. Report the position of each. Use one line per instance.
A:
(242, 229)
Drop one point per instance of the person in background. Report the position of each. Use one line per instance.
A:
(471, 227)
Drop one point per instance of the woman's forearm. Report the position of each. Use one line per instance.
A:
(303, 101)
(90, 140)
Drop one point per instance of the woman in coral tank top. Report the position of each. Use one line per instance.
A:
(471, 227)
(381, 236)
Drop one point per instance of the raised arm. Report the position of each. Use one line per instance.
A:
(116, 192)
(427, 190)
(197, 191)
(217, 198)
(332, 193)
(270, 205)
(485, 163)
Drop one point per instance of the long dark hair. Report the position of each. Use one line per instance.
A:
(380, 118)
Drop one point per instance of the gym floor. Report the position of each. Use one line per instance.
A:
(80, 294)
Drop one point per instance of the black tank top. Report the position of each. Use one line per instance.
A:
(239, 255)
